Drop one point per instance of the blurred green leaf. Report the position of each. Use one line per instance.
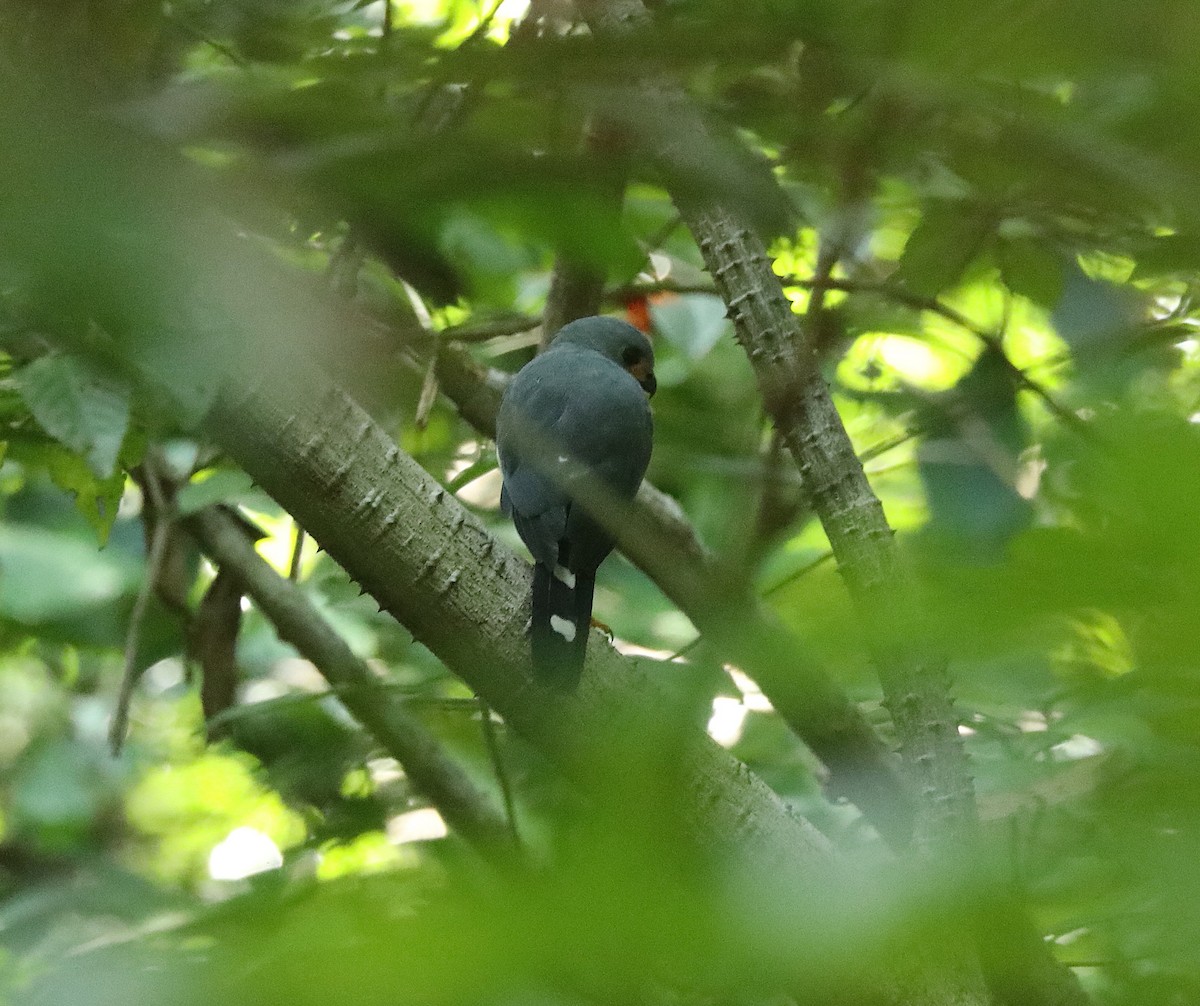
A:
(1091, 312)
(45, 576)
(944, 243)
(221, 486)
(58, 791)
(1032, 270)
(212, 184)
(1166, 255)
(85, 411)
(692, 323)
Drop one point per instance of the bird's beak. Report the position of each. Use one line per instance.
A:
(644, 376)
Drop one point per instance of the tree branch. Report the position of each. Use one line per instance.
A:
(577, 288)
(664, 545)
(889, 291)
(466, 808)
(157, 518)
(437, 570)
(798, 401)
(575, 292)
(915, 681)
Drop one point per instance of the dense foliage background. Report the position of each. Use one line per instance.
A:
(1006, 196)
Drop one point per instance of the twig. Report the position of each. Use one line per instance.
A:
(199, 36)
(482, 331)
(620, 294)
(791, 578)
(795, 575)
(935, 305)
(159, 532)
(498, 766)
(297, 552)
(656, 240)
(485, 22)
(819, 284)
(899, 440)
(396, 691)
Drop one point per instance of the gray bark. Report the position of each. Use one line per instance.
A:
(796, 397)
(661, 543)
(914, 678)
(428, 562)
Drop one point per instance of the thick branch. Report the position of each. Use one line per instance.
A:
(661, 542)
(466, 808)
(437, 570)
(915, 682)
(798, 401)
(575, 292)
(796, 397)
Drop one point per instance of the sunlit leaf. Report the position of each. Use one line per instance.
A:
(1031, 270)
(948, 237)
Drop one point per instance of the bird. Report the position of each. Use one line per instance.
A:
(581, 406)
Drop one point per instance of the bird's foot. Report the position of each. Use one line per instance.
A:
(597, 624)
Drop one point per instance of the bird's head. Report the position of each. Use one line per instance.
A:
(616, 339)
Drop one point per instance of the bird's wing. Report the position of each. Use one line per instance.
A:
(606, 426)
(533, 402)
(592, 409)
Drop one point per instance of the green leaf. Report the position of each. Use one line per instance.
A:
(218, 487)
(56, 794)
(1030, 269)
(1169, 255)
(944, 243)
(83, 410)
(96, 498)
(46, 576)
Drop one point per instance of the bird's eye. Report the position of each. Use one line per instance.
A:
(630, 355)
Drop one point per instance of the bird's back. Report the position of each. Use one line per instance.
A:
(579, 403)
(573, 404)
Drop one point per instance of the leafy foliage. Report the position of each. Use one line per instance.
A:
(1011, 339)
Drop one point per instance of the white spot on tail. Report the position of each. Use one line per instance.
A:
(563, 627)
(565, 577)
(563, 459)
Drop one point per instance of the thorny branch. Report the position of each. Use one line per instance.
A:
(665, 546)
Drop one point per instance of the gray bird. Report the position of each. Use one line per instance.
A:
(582, 404)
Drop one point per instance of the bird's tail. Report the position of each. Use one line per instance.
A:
(562, 618)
